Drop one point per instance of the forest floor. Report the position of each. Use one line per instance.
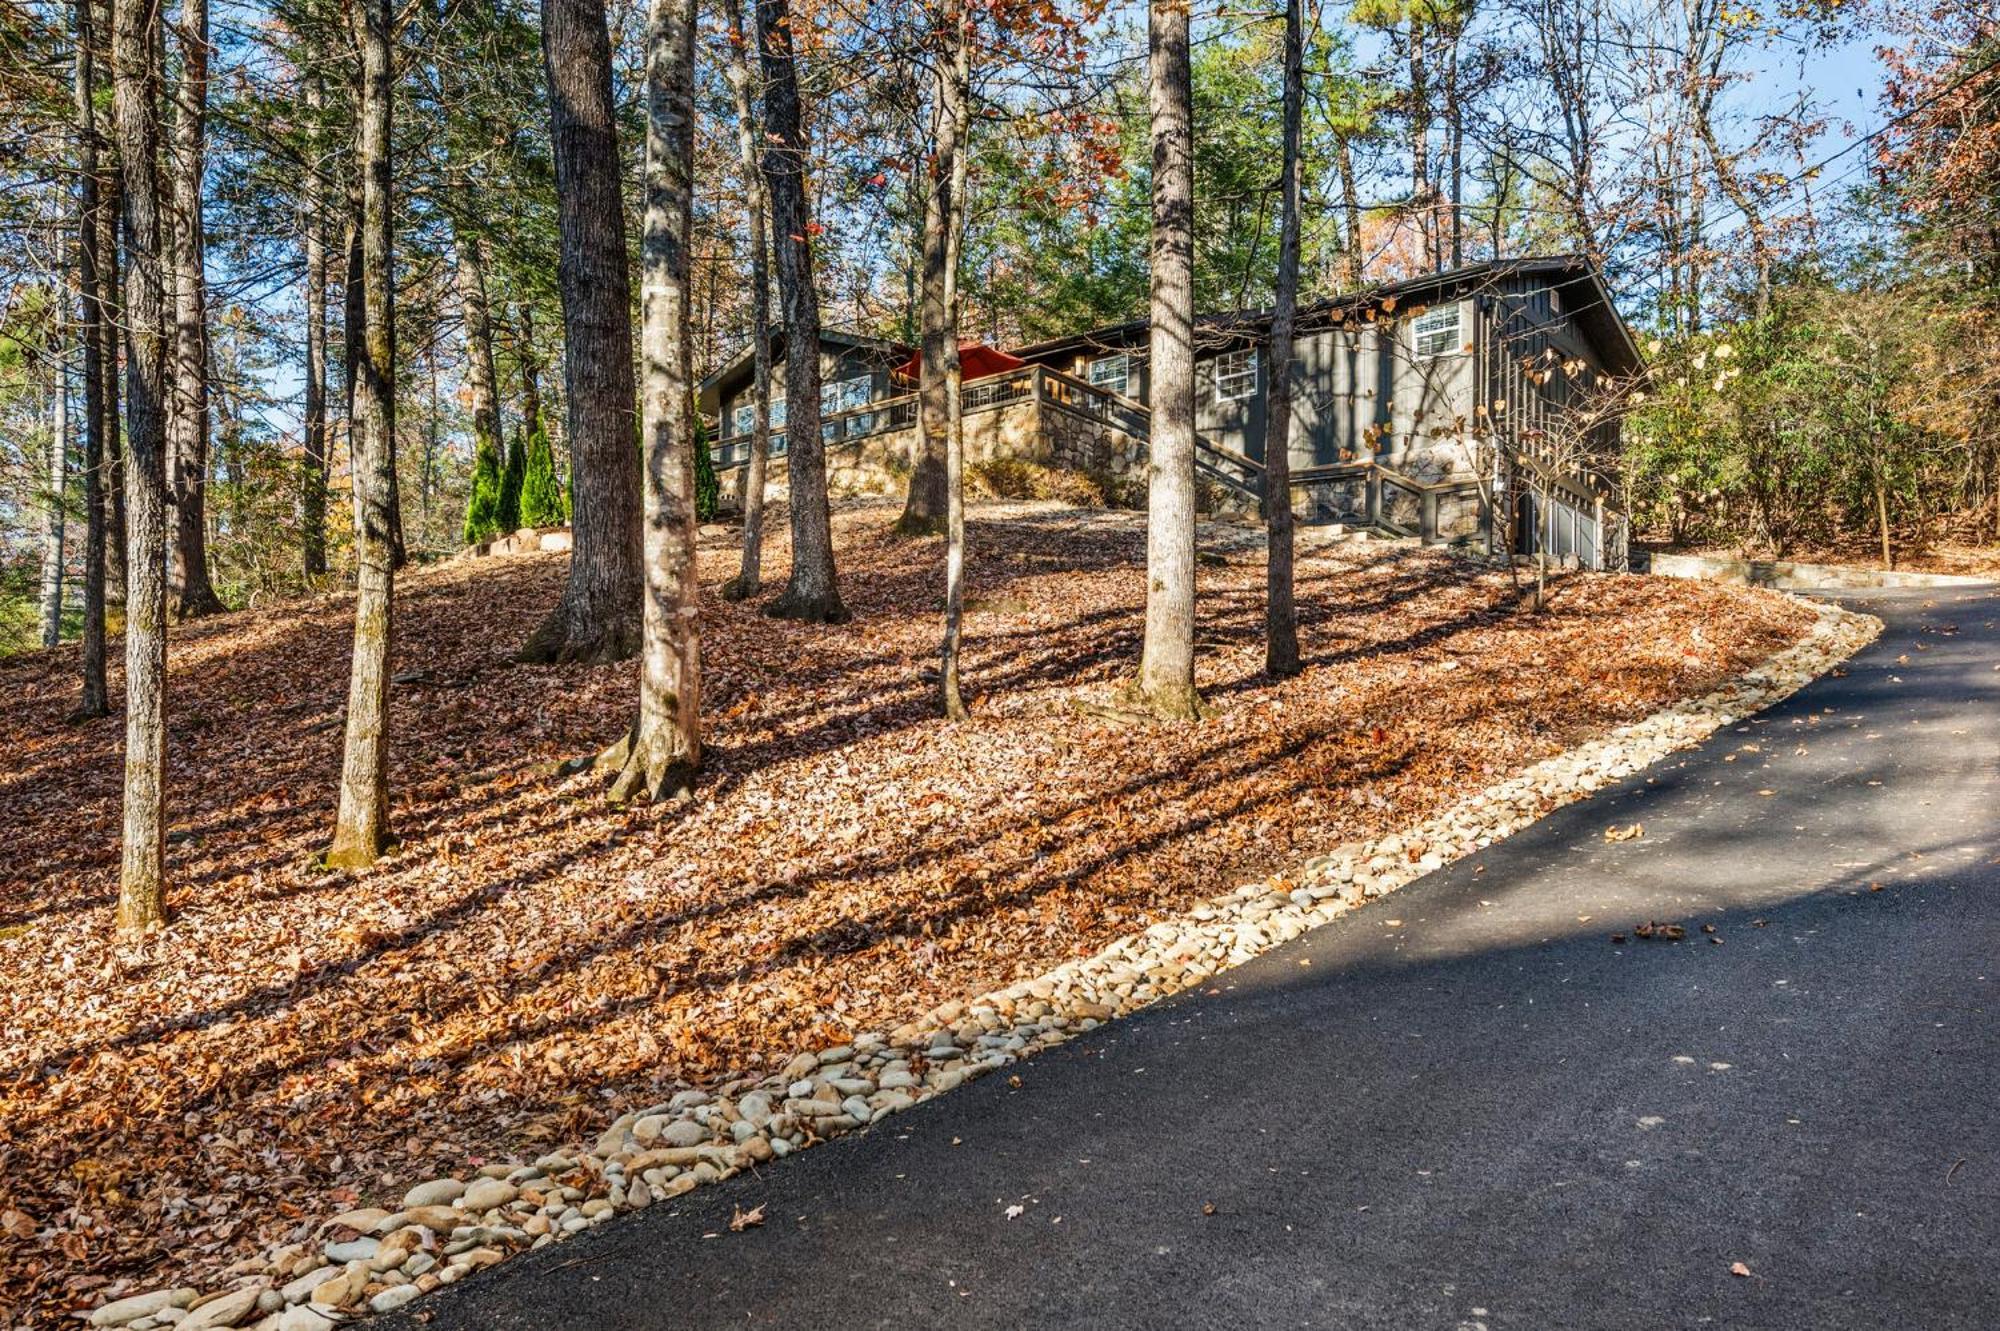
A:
(532, 960)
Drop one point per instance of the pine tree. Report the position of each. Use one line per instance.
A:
(541, 489)
(482, 511)
(508, 514)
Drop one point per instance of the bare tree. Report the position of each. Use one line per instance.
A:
(937, 328)
(954, 119)
(312, 474)
(813, 590)
(663, 750)
(57, 467)
(749, 579)
(1281, 619)
(361, 829)
(597, 619)
(189, 590)
(1165, 684)
(135, 62)
(91, 229)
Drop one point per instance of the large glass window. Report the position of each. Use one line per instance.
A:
(1236, 375)
(745, 416)
(1112, 372)
(1437, 332)
(844, 394)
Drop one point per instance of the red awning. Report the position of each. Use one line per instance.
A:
(976, 360)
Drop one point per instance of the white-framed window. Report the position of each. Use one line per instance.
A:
(1438, 331)
(844, 394)
(1112, 372)
(1236, 375)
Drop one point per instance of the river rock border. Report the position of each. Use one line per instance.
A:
(375, 1259)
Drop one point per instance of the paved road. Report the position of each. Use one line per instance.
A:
(1463, 1106)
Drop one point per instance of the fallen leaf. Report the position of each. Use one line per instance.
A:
(743, 1219)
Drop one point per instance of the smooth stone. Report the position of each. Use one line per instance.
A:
(438, 1219)
(391, 1299)
(299, 1290)
(228, 1310)
(360, 1250)
(335, 1293)
(438, 1192)
(684, 1132)
(487, 1194)
(362, 1221)
(298, 1317)
(132, 1309)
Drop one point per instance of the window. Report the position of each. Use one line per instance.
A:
(1436, 332)
(745, 416)
(1112, 372)
(844, 394)
(1236, 375)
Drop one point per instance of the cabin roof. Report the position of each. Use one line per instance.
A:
(1594, 311)
(740, 365)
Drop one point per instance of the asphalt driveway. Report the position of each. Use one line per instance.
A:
(1465, 1106)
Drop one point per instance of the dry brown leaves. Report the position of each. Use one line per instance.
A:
(533, 960)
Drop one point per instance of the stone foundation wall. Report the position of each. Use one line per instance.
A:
(879, 464)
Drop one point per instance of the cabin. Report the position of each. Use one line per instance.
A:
(1420, 406)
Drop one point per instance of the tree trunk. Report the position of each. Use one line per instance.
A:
(111, 281)
(354, 334)
(91, 228)
(141, 887)
(1882, 512)
(190, 594)
(1454, 113)
(361, 829)
(481, 379)
(597, 619)
(663, 750)
(1350, 207)
(954, 102)
(1281, 620)
(924, 508)
(57, 474)
(749, 579)
(312, 475)
(1420, 143)
(1165, 684)
(813, 592)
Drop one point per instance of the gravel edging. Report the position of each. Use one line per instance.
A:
(374, 1260)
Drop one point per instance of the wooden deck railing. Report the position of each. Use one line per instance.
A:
(1387, 495)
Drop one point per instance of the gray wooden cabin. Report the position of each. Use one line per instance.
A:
(1420, 406)
(1431, 381)
(855, 370)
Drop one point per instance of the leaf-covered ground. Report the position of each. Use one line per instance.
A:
(533, 960)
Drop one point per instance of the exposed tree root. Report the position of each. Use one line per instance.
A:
(653, 764)
(1169, 703)
(356, 852)
(561, 641)
(825, 609)
(914, 526)
(196, 604)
